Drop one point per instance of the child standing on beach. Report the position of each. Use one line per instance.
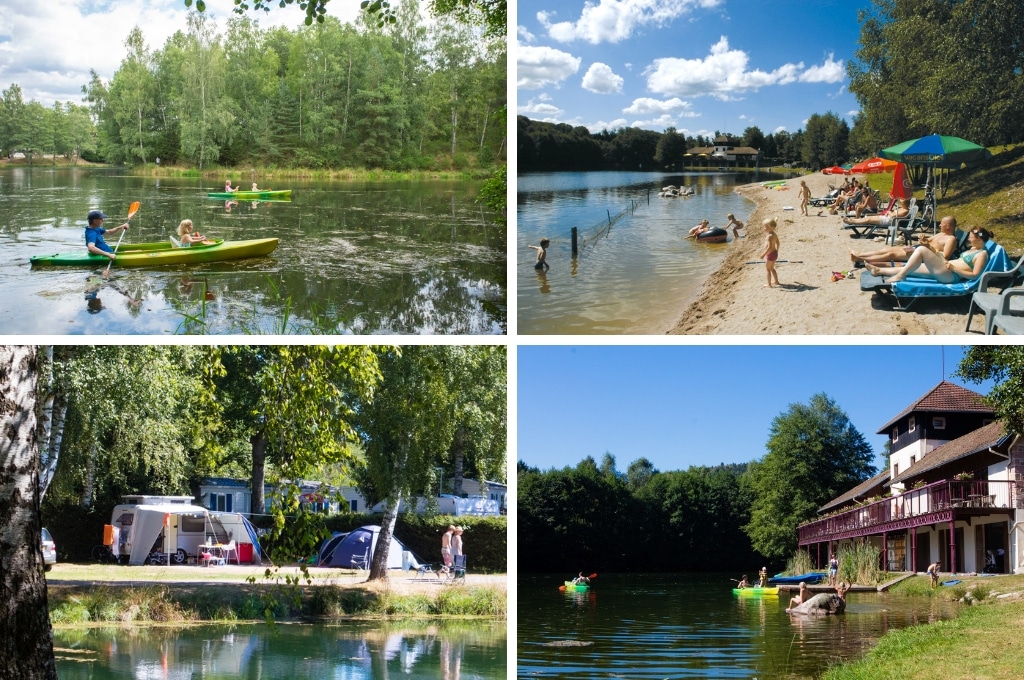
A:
(542, 255)
(771, 250)
(735, 224)
(805, 197)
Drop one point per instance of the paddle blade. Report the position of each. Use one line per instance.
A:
(592, 576)
(134, 208)
(562, 588)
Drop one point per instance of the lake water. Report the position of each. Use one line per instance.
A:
(352, 651)
(354, 258)
(692, 626)
(638, 279)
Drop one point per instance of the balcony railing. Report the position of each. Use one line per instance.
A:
(936, 497)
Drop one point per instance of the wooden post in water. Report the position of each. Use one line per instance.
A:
(609, 216)
(575, 247)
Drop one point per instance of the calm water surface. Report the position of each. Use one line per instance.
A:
(396, 257)
(352, 651)
(643, 275)
(692, 626)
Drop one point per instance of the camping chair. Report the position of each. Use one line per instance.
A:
(229, 552)
(362, 563)
(915, 287)
(428, 572)
(994, 304)
(457, 572)
(1009, 320)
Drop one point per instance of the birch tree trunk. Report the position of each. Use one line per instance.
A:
(26, 639)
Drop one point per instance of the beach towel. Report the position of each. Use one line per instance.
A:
(951, 583)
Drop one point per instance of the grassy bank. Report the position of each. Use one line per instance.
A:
(189, 603)
(981, 642)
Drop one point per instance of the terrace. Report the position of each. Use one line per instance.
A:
(944, 501)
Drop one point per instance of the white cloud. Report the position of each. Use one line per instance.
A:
(617, 20)
(659, 123)
(781, 128)
(724, 74)
(831, 71)
(606, 125)
(48, 48)
(524, 35)
(645, 105)
(601, 79)
(538, 67)
(536, 108)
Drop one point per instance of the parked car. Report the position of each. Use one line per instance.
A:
(49, 550)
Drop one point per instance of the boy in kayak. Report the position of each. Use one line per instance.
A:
(94, 232)
(763, 577)
(743, 583)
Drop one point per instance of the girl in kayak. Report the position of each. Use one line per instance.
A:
(187, 236)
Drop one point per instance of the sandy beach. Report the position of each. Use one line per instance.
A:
(735, 301)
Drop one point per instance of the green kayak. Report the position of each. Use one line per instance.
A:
(577, 587)
(251, 195)
(155, 254)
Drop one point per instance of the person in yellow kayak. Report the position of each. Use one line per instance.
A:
(186, 234)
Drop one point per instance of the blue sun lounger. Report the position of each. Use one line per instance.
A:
(915, 287)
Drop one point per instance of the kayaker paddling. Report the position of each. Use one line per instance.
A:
(187, 236)
(94, 233)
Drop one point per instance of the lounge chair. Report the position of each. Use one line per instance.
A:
(993, 304)
(868, 230)
(915, 287)
(1010, 318)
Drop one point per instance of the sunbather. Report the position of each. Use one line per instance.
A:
(868, 205)
(851, 192)
(926, 262)
(882, 220)
(943, 243)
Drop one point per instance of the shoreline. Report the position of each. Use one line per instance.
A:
(734, 301)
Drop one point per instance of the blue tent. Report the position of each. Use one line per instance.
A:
(354, 550)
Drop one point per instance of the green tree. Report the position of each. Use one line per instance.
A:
(131, 100)
(670, 149)
(814, 454)
(1005, 365)
(753, 137)
(204, 111)
(825, 140)
(12, 115)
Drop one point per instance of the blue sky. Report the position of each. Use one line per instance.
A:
(696, 65)
(704, 405)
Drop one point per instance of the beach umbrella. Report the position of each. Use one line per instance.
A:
(874, 165)
(834, 170)
(936, 151)
(901, 186)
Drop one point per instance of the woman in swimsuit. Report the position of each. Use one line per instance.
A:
(771, 251)
(926, 262)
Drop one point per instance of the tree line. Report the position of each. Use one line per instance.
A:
(722, 518)
(549, 147)
(395, 95)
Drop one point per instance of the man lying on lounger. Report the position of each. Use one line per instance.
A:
(882, 220)
(943, 243)
(926, 262)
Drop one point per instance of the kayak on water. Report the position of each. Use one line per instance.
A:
(154, 254)
(809, 578)
(756, 591)
(569, 586)
(250, 195)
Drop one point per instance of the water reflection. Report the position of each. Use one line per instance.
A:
(353, 651)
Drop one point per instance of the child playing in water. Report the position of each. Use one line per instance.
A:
(735, 224)
(542, 255)
(771, 251)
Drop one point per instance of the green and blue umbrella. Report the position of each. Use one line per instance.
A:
(938, 151)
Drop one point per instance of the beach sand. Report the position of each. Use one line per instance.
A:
(734, 300)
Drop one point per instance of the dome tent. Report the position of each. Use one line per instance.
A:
(355, 549)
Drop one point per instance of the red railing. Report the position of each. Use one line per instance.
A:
(919, 502)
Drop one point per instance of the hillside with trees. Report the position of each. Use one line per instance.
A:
(395, 95)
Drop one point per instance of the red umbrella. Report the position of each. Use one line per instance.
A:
(901, 186)
(873, 165)
(834, 170)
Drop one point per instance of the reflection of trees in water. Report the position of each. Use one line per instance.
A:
(287, 651)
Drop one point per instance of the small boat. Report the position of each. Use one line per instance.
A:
(163, 253)
(251, 195)
(756, 591)
(575, 587)
(713, 235)
(808, 578)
